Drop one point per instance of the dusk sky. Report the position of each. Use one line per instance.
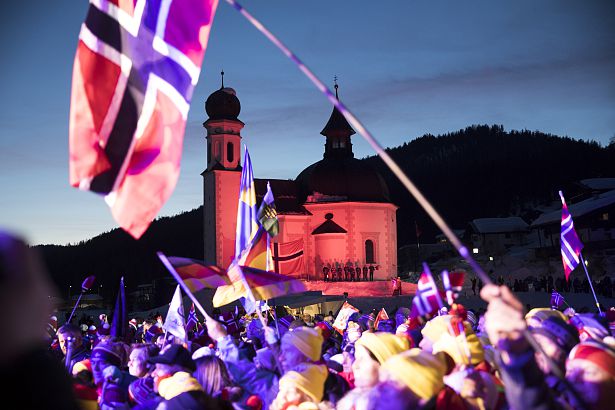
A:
(405, 68)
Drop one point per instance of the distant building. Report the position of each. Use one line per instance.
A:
(496, 235)
(335, 212)
(594, 220)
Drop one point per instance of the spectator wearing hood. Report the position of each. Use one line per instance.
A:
(371, 351)
(590, 368)
(174, 382)
(420, 371)
(112, 383)
(556, 338)
(301, 387)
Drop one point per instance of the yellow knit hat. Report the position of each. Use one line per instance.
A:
(383, 345)
(309, 380)
(177, 384)
(438, 331)
(307, 340)
(418, 370)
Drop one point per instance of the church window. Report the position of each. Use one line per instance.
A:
(229, 152)
(369, 251)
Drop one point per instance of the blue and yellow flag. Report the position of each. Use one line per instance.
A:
(247, 224)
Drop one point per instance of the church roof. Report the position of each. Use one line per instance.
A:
(223, 104)
(328, 226)
(337, 125)
(346, 178)
(284, 194)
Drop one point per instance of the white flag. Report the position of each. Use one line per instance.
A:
(175, 323)
(341, 321)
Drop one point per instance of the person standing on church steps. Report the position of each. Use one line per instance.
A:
(358, 271)
(371, 273)
(351, 271)
(365, 273)
(325, 273)
(339, 274)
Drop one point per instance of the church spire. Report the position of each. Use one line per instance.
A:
(338, 132)
(222, 75)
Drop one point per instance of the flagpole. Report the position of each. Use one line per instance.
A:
(181, 283)
(590, 283)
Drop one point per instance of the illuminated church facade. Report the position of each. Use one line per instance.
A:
(335, 212)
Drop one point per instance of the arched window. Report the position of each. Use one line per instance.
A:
(369, 251)
(229, 152)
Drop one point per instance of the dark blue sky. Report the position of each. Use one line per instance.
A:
(405, 68)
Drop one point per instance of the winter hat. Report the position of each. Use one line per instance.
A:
(438, 330)
(598, 353)
(418, 370)
(537, 315)
(203, 352)
(590, 325)
(177, 384)
(326, 329)
(307, 340)
(383, 345)
(111, 352)
(174, 354)
(561, 333)
(141, 390)
(310, 380)
(254, 402)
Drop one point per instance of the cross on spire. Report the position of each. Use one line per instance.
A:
(335, 86)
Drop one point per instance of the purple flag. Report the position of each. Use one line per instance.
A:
(119, 325)
(571, 245)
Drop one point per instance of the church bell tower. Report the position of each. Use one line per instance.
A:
(222, 177)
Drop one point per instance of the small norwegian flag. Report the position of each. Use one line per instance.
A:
(557, 300)
(427, 299)
(192, 321)
(453, 283)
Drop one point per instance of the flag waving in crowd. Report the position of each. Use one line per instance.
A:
(571, 245)
(557, 300)
(246, 208)
(453, 283)
(196, 275)
(427, 299)
(192, 321)
(135, 69)
(175, 321)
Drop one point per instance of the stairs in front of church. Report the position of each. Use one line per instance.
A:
(378, 288)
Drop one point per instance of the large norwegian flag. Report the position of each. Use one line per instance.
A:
(571, 245)
(135, 69)
(288, 257)
(427, 299)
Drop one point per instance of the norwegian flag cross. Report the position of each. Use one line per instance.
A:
(136, 67)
